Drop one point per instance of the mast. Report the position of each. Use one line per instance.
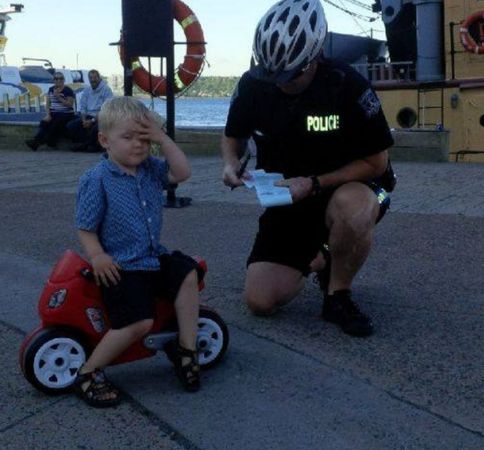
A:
(4, 17)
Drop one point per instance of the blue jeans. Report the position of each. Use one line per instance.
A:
(79, 134)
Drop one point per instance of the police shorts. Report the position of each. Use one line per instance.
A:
(293, 235)
(133, 298)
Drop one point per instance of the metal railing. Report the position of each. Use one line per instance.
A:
(387, 71)
(21, 103)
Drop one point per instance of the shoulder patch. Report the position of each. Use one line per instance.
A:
(369, 103)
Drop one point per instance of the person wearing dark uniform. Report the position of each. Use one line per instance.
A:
(320, 124)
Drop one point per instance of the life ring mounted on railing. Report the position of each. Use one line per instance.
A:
(193, 62)
(467, 40)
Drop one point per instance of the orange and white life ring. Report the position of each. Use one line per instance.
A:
(467, 40)
(193, 61)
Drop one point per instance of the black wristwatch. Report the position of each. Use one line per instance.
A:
(316, 186)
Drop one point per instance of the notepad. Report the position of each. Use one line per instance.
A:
(268, 194)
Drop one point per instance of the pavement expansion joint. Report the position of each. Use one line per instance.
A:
(34, 413)
(364, 380)
(163, 426)
(434, 414)
(13, 328)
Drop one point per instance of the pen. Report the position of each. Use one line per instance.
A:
(242, 167)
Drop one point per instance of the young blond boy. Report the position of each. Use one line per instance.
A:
(119, 220)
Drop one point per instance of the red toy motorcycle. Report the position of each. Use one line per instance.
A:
(73, 321)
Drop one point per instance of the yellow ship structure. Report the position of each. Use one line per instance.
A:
(435, 80)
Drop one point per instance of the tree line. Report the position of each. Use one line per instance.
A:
(212, 87)
(205, 87)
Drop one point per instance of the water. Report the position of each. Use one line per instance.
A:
(195, 112)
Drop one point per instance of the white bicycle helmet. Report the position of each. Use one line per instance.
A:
(288, 37)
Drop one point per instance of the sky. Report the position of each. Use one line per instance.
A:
(76, 34)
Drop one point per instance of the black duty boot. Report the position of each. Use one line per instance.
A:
(93, 149)
(338, 308)
(78, 148)
(33, 144)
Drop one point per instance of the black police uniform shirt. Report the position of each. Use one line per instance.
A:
(336, 120)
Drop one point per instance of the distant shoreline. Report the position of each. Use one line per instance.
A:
(180, 97)
(204, 87)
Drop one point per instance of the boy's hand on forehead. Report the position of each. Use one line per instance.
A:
(149, 128)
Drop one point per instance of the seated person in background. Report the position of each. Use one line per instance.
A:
(83, 130)
(59, 105)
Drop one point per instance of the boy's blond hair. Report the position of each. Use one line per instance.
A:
(118, 109)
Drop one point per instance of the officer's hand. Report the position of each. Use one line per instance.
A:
(299, 187)
(229, 176)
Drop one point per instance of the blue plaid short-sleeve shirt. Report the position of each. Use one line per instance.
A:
(125, 211)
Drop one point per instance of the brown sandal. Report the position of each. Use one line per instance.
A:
(188, 373)
(98, 391)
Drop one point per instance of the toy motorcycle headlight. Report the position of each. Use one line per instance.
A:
(57, 298)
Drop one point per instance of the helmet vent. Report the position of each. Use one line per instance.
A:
(265, 55)
(273, 43)
(280, 54)
(298, 47)
(313, 20)
(293, 25)
(257, 35)
(283, 17)
(267, 24)
(305, 6)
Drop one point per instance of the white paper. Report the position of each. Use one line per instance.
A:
(268, 194)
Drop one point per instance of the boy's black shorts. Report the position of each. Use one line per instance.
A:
(133, 298)
(293, 235)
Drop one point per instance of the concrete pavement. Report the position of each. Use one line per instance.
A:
(289, 382)
(424, 187)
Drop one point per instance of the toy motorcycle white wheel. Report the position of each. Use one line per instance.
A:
(51, 360)
(212, 339)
